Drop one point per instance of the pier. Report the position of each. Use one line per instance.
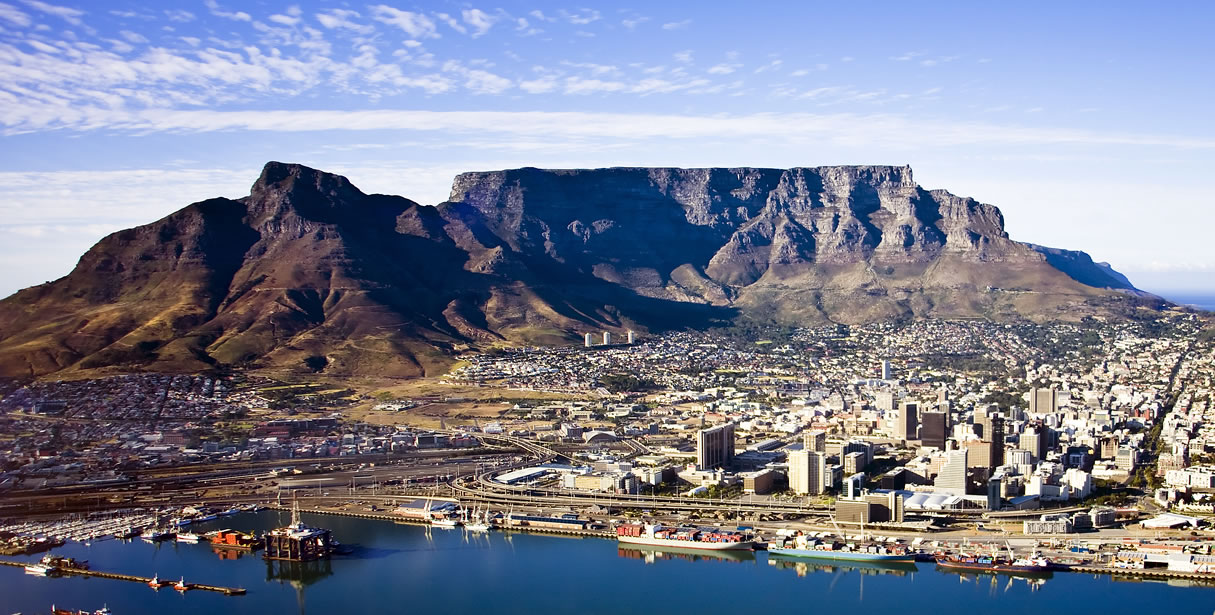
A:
(1146, 573)
(227, 591)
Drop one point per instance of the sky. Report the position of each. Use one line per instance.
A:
(1089, 124)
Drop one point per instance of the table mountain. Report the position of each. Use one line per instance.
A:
(309, 273)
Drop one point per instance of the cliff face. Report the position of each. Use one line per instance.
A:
(309, 273)
(848, 244)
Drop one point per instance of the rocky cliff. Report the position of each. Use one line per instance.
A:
(309, 273)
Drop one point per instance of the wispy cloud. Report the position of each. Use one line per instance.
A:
(216, 10)
(65, 13)
(479, 21)
(581, 17)
(415, 25)
(676, 25)
(13, 15)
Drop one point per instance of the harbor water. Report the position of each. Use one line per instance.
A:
(399, 568)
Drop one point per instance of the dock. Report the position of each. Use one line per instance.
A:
(227, 591)
(1146, 573)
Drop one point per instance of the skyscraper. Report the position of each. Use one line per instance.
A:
(934, 430)
(907, 422)
(815, 440)
(806, 472)
(885, 369)
(715, 447)
(884, 400)
(952, 478)
(1043, 400)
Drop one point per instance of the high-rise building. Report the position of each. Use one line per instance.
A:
(859, 446)
(934, 429)
(607, 338)
(995, 488)
(806, 469)
(952, 478)
(907, 422)
(715, 447)
(588, 340)
(943, 395)
(632, 337)
(884, 400)
(1043, 400)
(815, 440)
(1033, 439)
(853, 485)
(854, 462)
(886, 369)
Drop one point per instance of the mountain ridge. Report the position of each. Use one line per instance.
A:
(308, 273)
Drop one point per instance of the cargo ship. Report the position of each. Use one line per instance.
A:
(801, 545)
(1034, 564)
(711, 539)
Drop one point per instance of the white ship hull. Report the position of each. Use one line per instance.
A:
(745, 545)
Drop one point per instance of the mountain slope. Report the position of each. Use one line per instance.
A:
(308, 273)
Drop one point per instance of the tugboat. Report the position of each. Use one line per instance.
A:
(156, 583)
(181, 585)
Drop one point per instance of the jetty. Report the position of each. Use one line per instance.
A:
(227, 591)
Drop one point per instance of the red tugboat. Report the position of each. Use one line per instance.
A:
(156, 583)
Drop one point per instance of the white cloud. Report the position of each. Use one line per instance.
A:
(632, 22)
(451, 22)
(179, 15)
(14, 15)
(286, 20)
(65, 13)
(676, 25)
(724, 69)
(415, 25)
(343, 19)
(684, 56)
(542, 85)
(579, 18)
(479, 20)
(133, 37)
(213, 6)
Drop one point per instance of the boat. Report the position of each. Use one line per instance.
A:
(189, 537)
(712, 539)
(445, 522)
(994, 563)
(229, 539)
(479, 522)
(180, 585)
(41, 570)
(153, 534)
(156, 583)
(105, 610)
(801, 545)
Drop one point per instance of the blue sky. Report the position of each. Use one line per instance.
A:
(1088, 124)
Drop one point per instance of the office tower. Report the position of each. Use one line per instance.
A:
(1033, 439)
(715, 447)
(942, 395)
(885, 369)
(995, 427)
(632, 337)
(815, 440)
(588, 340)
(806, 472)
(1043, 400)
(934, 430)
(853, 485)
(905, 426)
(995, 487)
(853, 462)
(884, 400)
(859, 446)
(607, 338)
(952, 478)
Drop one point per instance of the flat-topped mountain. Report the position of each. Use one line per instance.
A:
(309, 273)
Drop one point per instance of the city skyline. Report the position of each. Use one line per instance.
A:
(1084, 124)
